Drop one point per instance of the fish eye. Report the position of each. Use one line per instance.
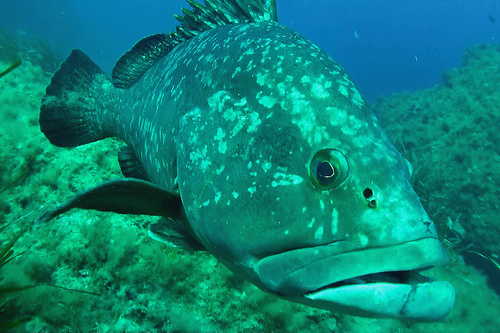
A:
(328, 169)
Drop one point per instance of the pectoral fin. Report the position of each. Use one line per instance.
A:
(171, 232)
(125, 196)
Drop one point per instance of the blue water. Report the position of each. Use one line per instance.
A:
(387, 46)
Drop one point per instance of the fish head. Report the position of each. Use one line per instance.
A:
(290, 181)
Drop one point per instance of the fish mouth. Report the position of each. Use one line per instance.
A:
(395, 277)
(377, 282)
(399, 294)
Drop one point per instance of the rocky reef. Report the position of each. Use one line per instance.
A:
(136, 284)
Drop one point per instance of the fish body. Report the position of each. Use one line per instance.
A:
(254, 144)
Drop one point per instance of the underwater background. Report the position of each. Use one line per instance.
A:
(430, 70)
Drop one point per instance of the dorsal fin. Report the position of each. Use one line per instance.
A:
(135, 62)
(222, 12)
(130, 67)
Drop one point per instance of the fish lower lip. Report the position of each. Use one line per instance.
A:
(405, 298)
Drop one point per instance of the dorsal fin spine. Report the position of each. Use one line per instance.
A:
(225, 18)
(188, 18)
(203, 13)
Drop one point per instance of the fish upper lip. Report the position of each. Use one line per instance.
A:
(304, 271)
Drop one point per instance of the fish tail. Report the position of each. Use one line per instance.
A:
(72, 109)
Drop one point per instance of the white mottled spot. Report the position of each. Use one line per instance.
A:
(238, 126)
(310, 225)
(286, 232)
(343, 91)
(200, 157)
(217, 196)
(242, 102)
(298, 101)
(235, 194)
(222, 147)
(305, 79)
(236, 71)
(318, 91)
(243, 28)
(282, 88)
(319, 233)
(363, 240)
(206, 203)
(216, 101)
(357, 99)
(230, 114)
(321, 204)
(340, 115)
(266, 166)
(335, 221)
(254, 122)
(250, 66)
(249, 51)
(261, 78)
(252, 190)
(283, 179)
(220, 169)
(304, 209)
(268, 101)
(220, 134)
(249, 166)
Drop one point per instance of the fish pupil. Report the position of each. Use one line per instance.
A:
(325, 170)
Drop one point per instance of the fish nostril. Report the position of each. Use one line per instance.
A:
(372, 203)
(368, 194)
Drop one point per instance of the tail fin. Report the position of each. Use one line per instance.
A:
(70, 113)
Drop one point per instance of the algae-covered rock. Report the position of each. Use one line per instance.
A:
(452, 133)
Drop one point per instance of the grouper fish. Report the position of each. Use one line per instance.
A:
(253, 144)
